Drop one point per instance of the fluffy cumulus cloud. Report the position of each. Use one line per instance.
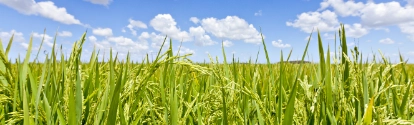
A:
(123, 43)
(231, 27)
(348, 8)
(201, 38)
(45, 9)
(92, 38)
(100, 2)
(324, 21)
(134, 25)
(155, 39)
(383, 14)
(356, 30)
(47, 39)
(120, 44)
(195, 20)
(373, 14)
(376, 15)
(18, 37)
(65, 34)
(280, 44)
(227, 43)
(327, 36)
(387, 41)
(410, 3)
(102, 31)
(25, 45)
(408, 28)
(184, 50)
(165, 24)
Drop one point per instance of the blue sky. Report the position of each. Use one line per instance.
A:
(139, 26)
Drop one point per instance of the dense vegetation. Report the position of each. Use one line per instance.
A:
(340, 89)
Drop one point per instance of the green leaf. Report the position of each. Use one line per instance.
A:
(9, 46)
(112, 114)
(288, 115)
(23, 82)
(368, 112)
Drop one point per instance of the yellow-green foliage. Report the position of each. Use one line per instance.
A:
(340, 89)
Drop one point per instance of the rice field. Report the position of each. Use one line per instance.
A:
(340, 89)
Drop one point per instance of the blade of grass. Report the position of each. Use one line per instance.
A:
(23, 81)
(9, 46)
(368, 112)
(344, 62)
(113, 109)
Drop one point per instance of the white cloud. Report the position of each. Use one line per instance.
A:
(65, 34)
(387, 41)
(156, 39)
(184, 50)
(383, 14)
(47, 39)
(324, 21)
(233, 28)
(136, 24)
(5, 36)
(195, 20)
(201, 38)
(128, 44)
(408, 28)
(103, 45)
(45, 9)
(100, 2)
(92, 38)
(259, 13)
(377, 15)
(349, 8)
(279, 44)
(102, 31)
(25, 45)
(227, 43)
(165, 24)
(327, 36)
(120, 44)
(373, 14)
(356, 30)
(18, 37)
(410, 2)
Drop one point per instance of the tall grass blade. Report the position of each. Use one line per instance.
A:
(9, 46)
(23, 82)
(368, 112)
(344, 62)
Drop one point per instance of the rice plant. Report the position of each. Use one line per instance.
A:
(172, 89)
